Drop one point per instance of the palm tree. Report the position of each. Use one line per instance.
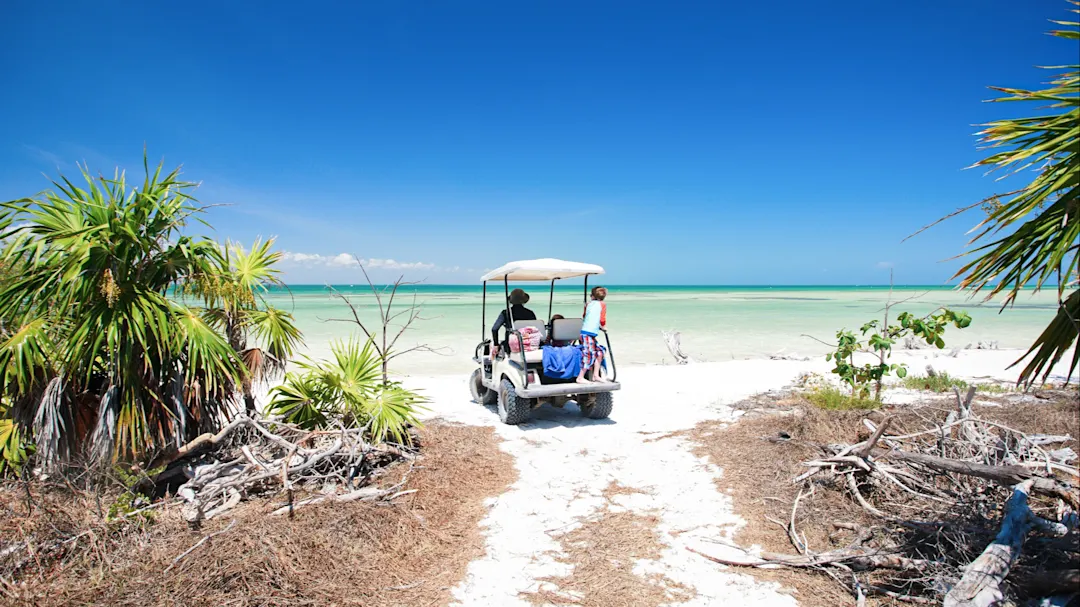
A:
(233, 291)
(1036, 229)
(95, 358)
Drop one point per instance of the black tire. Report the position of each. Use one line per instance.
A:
(480, 394)
(597, 406)
(513, 410)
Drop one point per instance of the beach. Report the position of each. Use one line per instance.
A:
(567, 465)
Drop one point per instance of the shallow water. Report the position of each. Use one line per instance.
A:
(717, 323)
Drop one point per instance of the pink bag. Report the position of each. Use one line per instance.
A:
(531, 337)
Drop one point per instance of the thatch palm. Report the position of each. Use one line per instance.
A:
(348, 387)
(233, 290)
(1041, 221)
(95, 357)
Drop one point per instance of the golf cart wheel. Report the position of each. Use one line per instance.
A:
(598, 406)
(513, 409)
(481, 394)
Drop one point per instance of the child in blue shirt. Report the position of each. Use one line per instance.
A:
(595, 319)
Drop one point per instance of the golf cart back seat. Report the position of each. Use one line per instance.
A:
(562, 329)
(566, 329)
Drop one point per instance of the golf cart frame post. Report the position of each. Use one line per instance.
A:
(512, 331)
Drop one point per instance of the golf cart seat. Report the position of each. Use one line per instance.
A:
(566, 329)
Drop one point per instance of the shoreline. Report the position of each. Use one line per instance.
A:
(972, 363)
(764, 372)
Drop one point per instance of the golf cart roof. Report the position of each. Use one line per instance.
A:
(541, 269)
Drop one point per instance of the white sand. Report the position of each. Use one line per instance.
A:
(565, 462)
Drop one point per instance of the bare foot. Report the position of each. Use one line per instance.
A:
(582, 380)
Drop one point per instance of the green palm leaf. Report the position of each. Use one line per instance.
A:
(348, 387)
(1034, 233)
(300, 400)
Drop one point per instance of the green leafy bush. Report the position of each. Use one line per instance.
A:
(131, 500)
(880, 342)
(350, 388)
(939, 382)
(834, 399)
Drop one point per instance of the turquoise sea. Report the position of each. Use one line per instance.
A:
(717, 322)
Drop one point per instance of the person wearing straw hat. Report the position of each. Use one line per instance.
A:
(518, 311)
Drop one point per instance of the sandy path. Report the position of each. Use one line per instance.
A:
(565, 462)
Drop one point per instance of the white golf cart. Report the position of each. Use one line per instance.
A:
(516, 380)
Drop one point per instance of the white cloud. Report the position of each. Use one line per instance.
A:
(884, 265)
(391, 264)
(302, 258)
(345, 260)
(342, 259)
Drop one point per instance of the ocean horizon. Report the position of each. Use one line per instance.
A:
(717, 322)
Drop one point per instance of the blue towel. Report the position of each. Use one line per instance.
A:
(562, 362)
(565, 362)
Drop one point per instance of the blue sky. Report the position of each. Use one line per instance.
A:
(704, 143)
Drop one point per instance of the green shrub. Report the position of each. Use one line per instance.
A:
(996, 388)
(131, 500)
(880, 340)
(835, 400)
(349, 388)
(939, 382)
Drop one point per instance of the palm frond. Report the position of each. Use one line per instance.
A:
(52, 426)
(391, 413)
(348, 387)
(1055, 341)
(277, 329)
(300, 400)
(1034, 234)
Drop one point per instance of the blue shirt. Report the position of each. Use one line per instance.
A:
(590, 325)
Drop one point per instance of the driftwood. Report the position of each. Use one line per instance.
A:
(857, 560)
(981, 584)
(1002, 475)
(673, 341)
(278, 457)
(954, 469)
(367, 493)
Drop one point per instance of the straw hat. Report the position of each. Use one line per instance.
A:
(518, 297)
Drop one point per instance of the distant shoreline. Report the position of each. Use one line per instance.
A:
(567, 286)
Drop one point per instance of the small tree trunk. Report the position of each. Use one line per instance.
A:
(249, 402)
(877, 385)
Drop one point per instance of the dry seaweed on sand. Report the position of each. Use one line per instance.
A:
(408, 551)
(906, 504)
(604, 552)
